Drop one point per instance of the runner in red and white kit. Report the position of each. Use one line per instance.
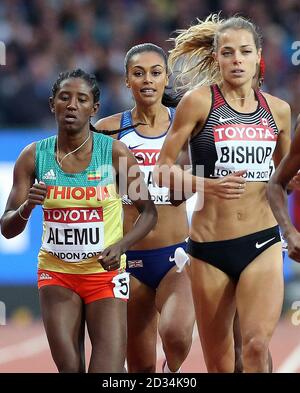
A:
(234, 246)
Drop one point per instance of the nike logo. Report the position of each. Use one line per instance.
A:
(134, 147)
(171, 259)
(223, 119)
(259, 245)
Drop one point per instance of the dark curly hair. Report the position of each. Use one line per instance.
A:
(90, 79)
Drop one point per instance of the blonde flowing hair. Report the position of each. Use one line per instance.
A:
(191, 61)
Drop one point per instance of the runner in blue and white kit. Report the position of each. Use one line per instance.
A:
(160, 298)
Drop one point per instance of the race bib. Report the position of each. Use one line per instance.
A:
(121, 285)
(73, 234)
(147, 159)
(244, 147)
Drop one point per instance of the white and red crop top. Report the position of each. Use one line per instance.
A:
(232, 141)
(146, 151)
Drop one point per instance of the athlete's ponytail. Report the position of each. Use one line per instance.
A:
(192, 60)
(92, 128)
(171, 99)
(114, 132)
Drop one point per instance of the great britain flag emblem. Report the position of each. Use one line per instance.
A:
(95, 175)
(135, 263)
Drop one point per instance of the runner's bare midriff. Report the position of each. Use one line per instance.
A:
(230, 219)
(171, 228)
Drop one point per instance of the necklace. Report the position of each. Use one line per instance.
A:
(241, 98)
(70, 152)
(236, 98)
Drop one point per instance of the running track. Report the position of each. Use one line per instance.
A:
(25, 349)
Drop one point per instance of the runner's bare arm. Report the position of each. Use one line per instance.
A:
(282, 116)
(177, 198)
(278, 183)
(24, 195)
(294, 183)
(109, 123)
(131, 182)
(190, 116)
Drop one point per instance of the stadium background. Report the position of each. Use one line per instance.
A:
(44, 37)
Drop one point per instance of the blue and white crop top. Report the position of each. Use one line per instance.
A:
(146, 151)
(232, 141)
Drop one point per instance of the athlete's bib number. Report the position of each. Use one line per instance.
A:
(241, 147)
(73, 234)
(121, 288)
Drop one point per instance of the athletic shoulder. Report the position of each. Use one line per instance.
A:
(109, 123)
(120, 149)
(277, 105)
(198, 95)
(28, 151)
(196, 103)
(26, 159)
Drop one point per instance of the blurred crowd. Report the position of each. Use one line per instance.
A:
(45, 37)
